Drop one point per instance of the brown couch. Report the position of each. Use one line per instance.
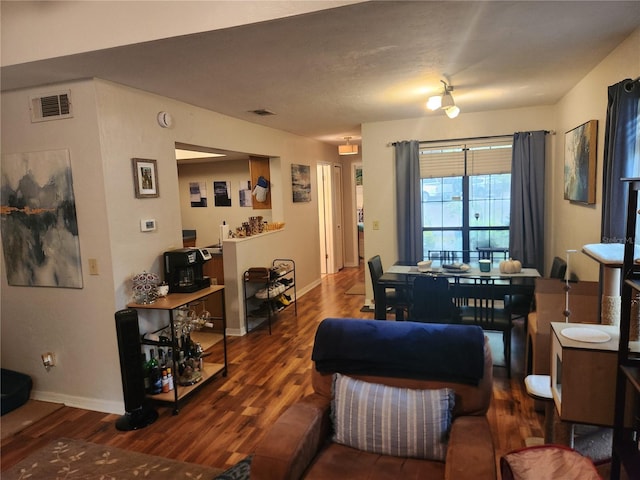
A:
(299, 444)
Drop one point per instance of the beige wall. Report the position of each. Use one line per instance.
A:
(113, 124)
(76, 324)
(576, 225)
(206, 220)
(567, 225)
(379, 170)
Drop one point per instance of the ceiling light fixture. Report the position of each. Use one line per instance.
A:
(348, 148)
(444, 102)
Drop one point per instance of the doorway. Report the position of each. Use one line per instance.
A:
(330, 218)
(359, 201)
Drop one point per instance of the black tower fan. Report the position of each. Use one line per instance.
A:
(138, 413)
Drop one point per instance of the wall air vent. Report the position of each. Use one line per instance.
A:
(52, 106)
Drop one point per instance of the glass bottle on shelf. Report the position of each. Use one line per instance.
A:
(161, 361)
(155, 376)
(170, 364)
(145, 372)
(164, 382)
(181, 361)
(170, 379)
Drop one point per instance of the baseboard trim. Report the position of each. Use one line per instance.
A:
(94, 404)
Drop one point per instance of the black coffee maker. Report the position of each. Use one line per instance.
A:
(183, 269)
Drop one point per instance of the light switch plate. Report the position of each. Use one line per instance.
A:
(147, 225)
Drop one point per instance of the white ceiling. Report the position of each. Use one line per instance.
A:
(325, 73)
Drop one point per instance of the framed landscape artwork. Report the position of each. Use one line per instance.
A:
(145, 178)
(580, 163)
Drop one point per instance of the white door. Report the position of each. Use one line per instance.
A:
(336, 188)
(330, 218)
(324, 205)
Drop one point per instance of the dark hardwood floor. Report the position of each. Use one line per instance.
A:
(222, 423)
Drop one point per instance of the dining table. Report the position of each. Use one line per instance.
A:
(400, 277)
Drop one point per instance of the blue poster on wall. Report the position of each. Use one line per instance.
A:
(198, 194)
(222, 194)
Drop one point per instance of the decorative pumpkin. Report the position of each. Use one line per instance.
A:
(510, 266)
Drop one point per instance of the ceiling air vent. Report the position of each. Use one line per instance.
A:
(53, 106)
(263, 112)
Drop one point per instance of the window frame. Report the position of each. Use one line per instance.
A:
(468, 164)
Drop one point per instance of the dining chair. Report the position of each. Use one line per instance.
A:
(396, 299)
(493, 254)
(446, 256)
(433, 301)
(484, 306)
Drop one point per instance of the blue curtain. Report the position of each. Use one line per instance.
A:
(408, 202)
(526, 239)
(620, 157)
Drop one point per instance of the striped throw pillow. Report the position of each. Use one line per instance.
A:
(391, 421)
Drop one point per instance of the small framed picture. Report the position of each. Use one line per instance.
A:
(145, 176)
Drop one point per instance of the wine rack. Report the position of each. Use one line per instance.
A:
(171, 303)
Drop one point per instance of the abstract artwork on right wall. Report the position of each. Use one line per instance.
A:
(580, 163)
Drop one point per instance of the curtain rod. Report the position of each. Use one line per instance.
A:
(393, 144)
(629, 85)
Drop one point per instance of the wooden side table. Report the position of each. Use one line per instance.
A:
(583, 374)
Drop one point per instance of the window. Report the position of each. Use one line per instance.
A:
(466, 196)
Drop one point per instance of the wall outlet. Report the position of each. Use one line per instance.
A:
(376, 224)
(93, 266)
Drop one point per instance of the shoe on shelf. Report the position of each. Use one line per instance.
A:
(271, 292)
(261, 311)
(284, 300)
(277, 306)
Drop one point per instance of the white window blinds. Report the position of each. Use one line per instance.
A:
(471, 158)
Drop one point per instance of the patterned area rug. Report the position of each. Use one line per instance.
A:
(75, 459)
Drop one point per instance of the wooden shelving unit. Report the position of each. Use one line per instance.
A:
(626, 433)
(170, 303)
(279, 280)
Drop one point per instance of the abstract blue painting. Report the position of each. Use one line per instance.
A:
(39, 224)
(580, 163)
